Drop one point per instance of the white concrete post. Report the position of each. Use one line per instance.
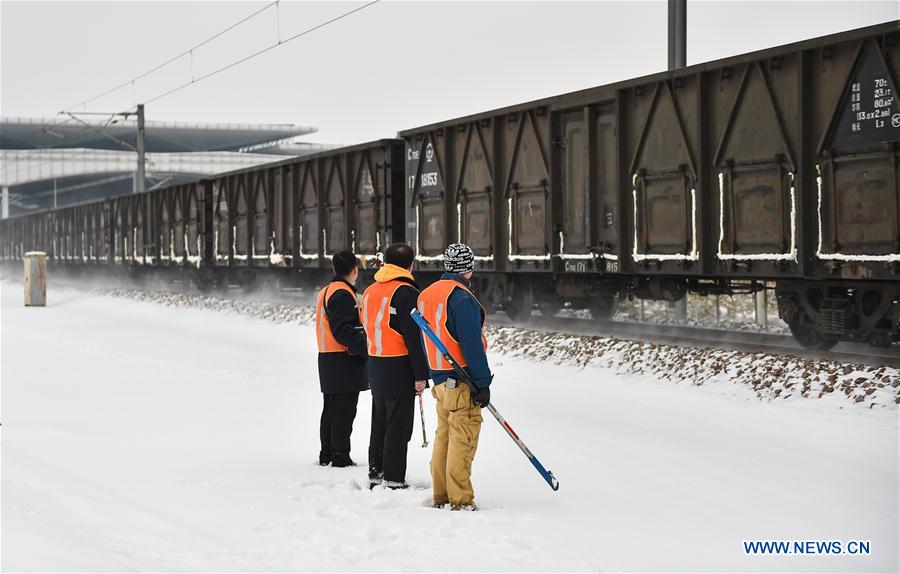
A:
(679, 308)
(5, 202)
(35, 279)
(762, 317)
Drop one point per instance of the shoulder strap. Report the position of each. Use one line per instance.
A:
(325, 298)
(408, 284)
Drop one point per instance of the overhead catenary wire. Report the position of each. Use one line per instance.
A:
(279, 42)
(188, 52)
(100, 130)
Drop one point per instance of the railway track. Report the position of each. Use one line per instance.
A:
(706, 337)
(681, 335)
(684, 335)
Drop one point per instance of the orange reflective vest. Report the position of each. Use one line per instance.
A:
(382, 340)
(433, 306)
(326, 341)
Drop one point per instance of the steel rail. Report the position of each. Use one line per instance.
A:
(681, 335)
(705, 337)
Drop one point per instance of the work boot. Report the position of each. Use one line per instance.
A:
(393, 485)
(469, 507)
(439, 505)
(375, 479)
(341, 460)
(324, 458)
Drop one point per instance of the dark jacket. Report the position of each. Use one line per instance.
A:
(464, 323)
(344, 372)
(395, 377)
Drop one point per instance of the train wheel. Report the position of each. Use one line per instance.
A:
(805, 332)
(549, 307)
(602, 306)
(221, 282)
(518, 307)
(204, 282)
(136, 276)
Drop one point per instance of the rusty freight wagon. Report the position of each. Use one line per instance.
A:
(779, 165)
(293, 215)
(281, 220)
(775, 166)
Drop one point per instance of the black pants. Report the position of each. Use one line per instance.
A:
(392, 426)
(338, 412)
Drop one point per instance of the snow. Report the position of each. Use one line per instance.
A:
(143, 437)
(791, 254)
(694, 254)
(889, 258)
(743, 375)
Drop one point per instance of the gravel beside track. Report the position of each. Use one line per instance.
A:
(763, 374)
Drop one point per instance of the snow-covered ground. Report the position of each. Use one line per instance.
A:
(142, 437)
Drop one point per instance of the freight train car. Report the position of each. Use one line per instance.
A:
(281, 220)
(294, 215)
(779, 165)
(776, 166)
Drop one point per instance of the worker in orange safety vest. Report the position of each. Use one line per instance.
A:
(397, 368)
(342, 359)
(457, 318)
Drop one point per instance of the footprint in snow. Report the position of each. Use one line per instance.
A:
(519, 542)
(339, 513)
(380, 534)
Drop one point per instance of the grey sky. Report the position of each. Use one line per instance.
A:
(389, 67)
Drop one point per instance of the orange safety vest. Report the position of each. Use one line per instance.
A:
(382, 340)
(324, 337)
(433, 306)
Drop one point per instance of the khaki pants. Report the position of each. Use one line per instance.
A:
(455, 442)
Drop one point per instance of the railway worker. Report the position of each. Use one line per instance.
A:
(458, 319)
(342, 359)
(398, 371)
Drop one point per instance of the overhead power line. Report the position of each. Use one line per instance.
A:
(262, 51)
(188, 52)
(69, 116)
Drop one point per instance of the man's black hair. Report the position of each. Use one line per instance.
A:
(343, 263)
(399, 254)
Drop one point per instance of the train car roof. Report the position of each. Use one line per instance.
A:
(839, 37)
(301, 159)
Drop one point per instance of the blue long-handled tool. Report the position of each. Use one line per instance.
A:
(464, 376)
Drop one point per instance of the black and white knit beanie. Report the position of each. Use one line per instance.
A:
(459, 258)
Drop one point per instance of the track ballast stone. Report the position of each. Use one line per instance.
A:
(275, 312)
(770, 377)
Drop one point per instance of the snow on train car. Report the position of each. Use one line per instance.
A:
(779, 165)
(776, 166)
(282, 219)
(292, 215)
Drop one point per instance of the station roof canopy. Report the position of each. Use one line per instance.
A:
(117, 133)
(65, 160)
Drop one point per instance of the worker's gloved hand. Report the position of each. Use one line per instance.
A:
(482, 397)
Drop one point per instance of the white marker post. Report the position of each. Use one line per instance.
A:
(35, 279)
(762, 317)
